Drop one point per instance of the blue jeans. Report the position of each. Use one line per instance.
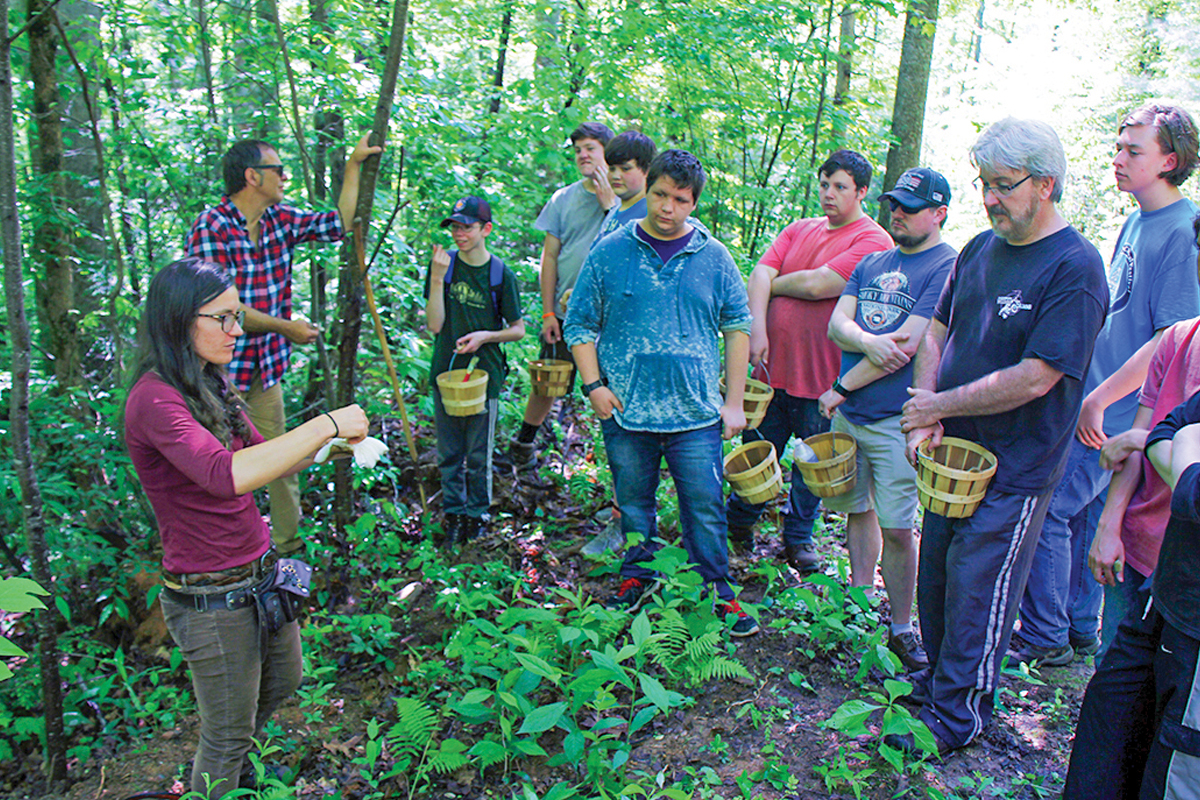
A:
(787, 416)
(694, 460)
(1062, 599)
(464, 446)
(1117, 602)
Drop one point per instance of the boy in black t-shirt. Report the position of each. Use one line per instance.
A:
(474, 309)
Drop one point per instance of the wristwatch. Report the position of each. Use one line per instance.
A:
(842, 390)
(588, 388)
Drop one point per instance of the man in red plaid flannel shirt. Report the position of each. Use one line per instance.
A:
(253, 235)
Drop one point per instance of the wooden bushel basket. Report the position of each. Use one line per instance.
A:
(835, 472)
(953, 478)
(550, 377)
(753, 472)
(754, 401)
(463, 398)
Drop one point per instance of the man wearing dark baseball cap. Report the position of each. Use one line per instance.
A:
(468, 211)
(918, 188)
(878, 323)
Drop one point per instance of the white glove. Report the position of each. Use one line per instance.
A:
(366, 453)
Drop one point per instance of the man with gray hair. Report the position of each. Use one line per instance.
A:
(1002, 364)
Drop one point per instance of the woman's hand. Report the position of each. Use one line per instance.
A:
(352, 423)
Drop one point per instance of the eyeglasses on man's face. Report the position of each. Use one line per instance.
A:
(278, 168)
(1000, 189)
(228, 319)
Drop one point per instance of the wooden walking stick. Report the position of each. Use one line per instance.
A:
(387, 357)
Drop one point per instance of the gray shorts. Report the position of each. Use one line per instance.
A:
(886, 481)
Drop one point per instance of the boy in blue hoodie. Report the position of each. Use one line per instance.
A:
(642, 325)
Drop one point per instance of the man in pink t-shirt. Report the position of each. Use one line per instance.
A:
(1129, 534)
(793, 291)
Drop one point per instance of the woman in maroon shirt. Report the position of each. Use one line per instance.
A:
(199, 459)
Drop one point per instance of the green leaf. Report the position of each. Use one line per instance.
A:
(543, 718)
(640, 630)
(538, 667)
(17, 595)
(643, 717)
(61, 604)
(656, 692)
(850, 717)
(7, 648)
(529, 747)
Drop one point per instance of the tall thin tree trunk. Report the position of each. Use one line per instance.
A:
(816, 133)
(501, 57)
(55, 282)
(22, 452)
(912, 86)
(847, 44)
(350, 291)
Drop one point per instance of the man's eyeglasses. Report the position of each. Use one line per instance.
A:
(1000, 189)
(277, 167)
(459, 226)
(228, 319)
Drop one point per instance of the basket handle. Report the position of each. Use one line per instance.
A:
(763, 367)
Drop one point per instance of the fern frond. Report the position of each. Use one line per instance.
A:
(415, 724)
(722, 668)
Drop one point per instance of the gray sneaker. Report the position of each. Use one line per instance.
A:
(611, 538)
(1022, 651)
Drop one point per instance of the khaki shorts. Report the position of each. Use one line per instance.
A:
(886, 481)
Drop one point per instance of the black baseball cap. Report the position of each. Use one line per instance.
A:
(920, 187)
(468, 211)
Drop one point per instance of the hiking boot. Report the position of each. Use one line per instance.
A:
(907, 743)
(741, 539)
(611, 538)
(1085, 646)
(452, 525)
(908, 649)
(470, 528)
(627, 597)
(523, 456)
(802, 558)
(744, 625)
(1023, 652)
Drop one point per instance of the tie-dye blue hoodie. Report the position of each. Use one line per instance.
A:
(655, 326)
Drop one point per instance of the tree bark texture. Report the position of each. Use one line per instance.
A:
(54, 281)
(912, 86)
(846, 47)
(350, 291)
(22, 452)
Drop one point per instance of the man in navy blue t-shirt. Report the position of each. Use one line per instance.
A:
(1002, 364)
(878, 323)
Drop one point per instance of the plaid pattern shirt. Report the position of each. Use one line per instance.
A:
(263, 275)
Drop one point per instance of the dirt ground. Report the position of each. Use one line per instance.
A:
(1023, 754)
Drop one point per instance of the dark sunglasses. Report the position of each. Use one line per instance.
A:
(277, 167)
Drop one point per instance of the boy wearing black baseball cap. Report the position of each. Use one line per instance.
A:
(473, 307)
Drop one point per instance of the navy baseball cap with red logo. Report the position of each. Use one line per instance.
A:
(468, 211)
(920, 188)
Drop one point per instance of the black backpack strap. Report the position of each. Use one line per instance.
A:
(496, 278)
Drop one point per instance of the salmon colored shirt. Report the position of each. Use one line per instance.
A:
(802, 361)
(1173, 377)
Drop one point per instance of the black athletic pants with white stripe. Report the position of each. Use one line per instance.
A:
(972, 576)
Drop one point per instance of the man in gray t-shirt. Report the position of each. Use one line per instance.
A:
(571, 220)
